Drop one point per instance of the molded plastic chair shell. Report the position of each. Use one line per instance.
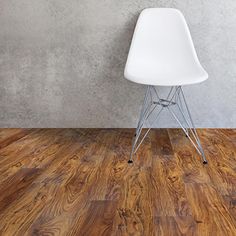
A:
(162, 51)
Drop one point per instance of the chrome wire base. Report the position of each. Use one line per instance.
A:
(176, 104)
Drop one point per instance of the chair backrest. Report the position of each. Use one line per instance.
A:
(162, 45)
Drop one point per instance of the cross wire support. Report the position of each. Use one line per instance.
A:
(175, 99)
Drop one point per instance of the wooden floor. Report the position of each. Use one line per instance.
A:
(78, 182)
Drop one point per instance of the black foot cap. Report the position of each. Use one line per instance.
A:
(205, 162)
(130, 161)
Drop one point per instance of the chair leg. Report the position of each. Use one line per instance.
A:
(193, 130)
(148, 108)
(188, 127)
(144, 111)
(180, 106)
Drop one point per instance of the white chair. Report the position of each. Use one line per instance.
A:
(162, 54)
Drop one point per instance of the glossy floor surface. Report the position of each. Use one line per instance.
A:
(78, 182)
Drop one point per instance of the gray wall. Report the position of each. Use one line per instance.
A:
(61, 62)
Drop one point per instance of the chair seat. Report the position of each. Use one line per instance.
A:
(150, 75)
(162, 52)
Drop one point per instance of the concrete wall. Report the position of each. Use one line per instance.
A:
(61, 62)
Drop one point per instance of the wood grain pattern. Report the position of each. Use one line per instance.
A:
(8, 136)
(78, 182)
(100, 216)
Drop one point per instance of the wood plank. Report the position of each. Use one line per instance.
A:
(134, 216)
(222, 165)
(97, 188)
(188, 159)
(100, 216)
(230, 201)
(8, 136)
(15, 186)
(21, 146)
(175, 225)
(29, 157)
(126, 186)
(210, 211)
(167, 186)
(161, 145)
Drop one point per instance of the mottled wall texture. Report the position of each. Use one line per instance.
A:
(62, 61)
